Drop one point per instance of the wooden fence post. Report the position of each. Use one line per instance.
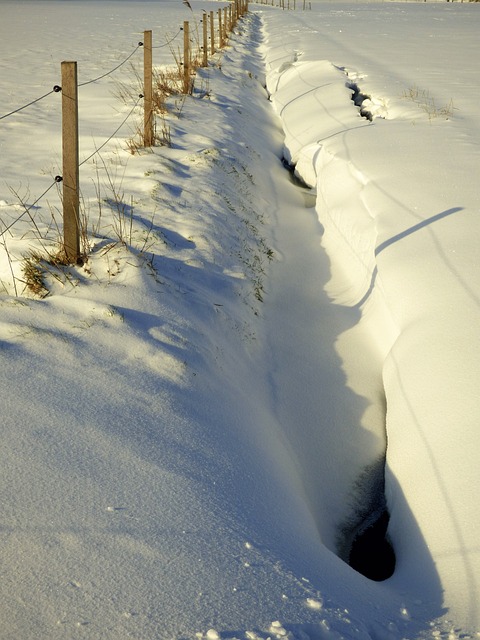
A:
(71, 190)
(186, 57)
(148, 137)
(212, 34)
(220, 29)
(205, 40)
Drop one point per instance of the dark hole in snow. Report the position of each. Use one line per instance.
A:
(295, 178)
(358, 98)
(371, 553)
(363, 540)
(309, 194)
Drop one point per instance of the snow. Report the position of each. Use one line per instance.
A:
(398, 204)
(196, 419)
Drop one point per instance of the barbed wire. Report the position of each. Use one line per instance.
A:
(58, 179)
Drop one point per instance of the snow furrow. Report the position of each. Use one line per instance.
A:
(395, 210)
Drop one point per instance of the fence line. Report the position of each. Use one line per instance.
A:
(57, 88)
(288, 4)
(69, 89)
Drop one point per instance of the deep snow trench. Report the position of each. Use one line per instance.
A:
(318, 413)
(330, 375)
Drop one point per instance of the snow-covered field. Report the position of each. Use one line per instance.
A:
(196, 421)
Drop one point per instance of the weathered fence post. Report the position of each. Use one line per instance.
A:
(212, 34)
(186, 57)
(71, 190)
(205, 40)
(220, 29)
(148, 134)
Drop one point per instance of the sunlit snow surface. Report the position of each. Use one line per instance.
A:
(189, 418)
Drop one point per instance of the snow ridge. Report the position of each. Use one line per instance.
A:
(391, 238)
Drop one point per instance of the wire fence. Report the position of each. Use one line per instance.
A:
(58, 89)
(195, 54)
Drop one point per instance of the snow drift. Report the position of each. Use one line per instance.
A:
(195, 420)
(399, 216)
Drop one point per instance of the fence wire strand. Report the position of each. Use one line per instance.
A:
(29, 104)
(159, 46)
(82, 84)
(98, 149)
(104, 75)
(27, 209)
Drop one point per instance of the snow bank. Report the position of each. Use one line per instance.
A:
(168, 465)
(399, 205)
(147, 488)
